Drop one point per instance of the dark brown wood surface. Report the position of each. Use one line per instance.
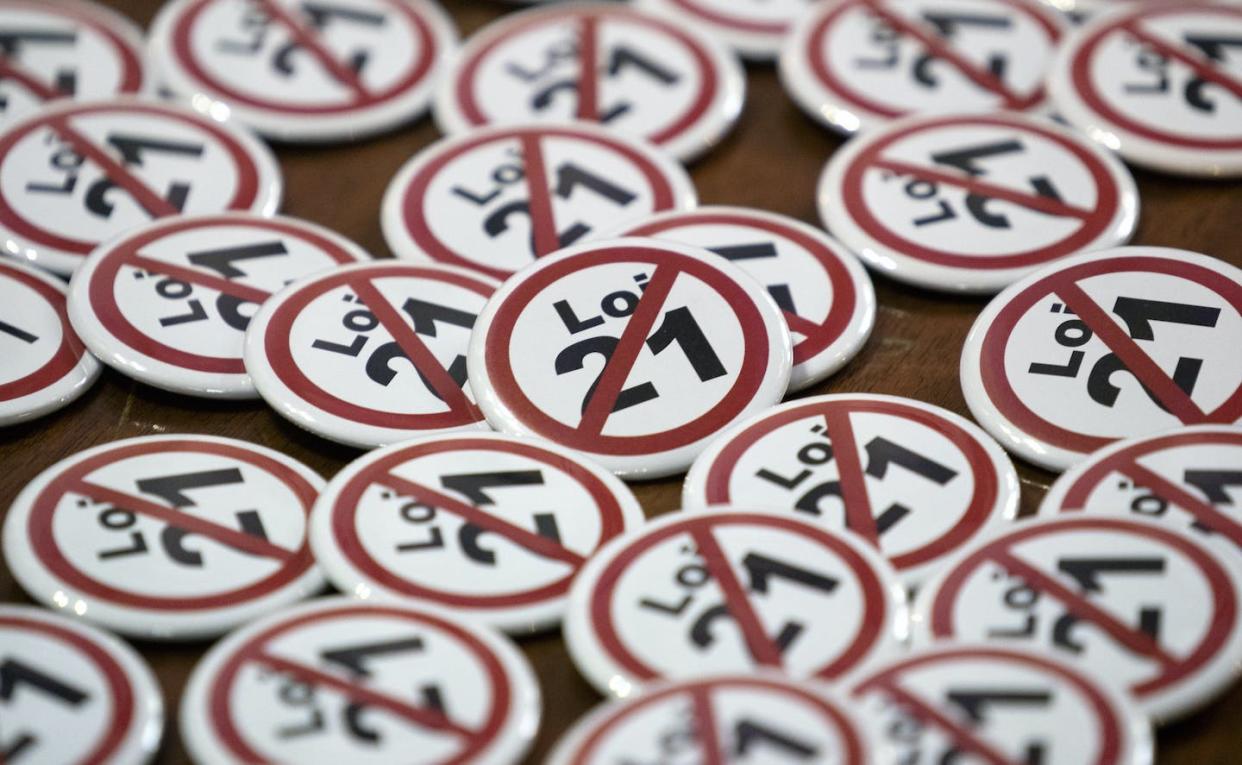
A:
(771, 161)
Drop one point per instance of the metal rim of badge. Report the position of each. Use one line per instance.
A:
(219, 724)
(359, 103)
(416, 232)
(990, 505)
(754, 33)
(1037, 420)
(254, 177)
(899, 239)
(1185, 139)
(123, 328)
(687, 128)
(46, 366)
(1124, 732)
(618, 655)
(330, 317)
(39, 543)
(809, 721)
(826, 344)
(844, 102)
(1167, 681)
(1188, 471)
(79, 667)
(362, 548)
(746, 328)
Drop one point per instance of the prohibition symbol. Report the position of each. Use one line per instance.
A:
(971, 203)
(914, 481)
(496, 199)
(102, 168)
(166, 537)
(753, 28)
(1136, 600)
(634, 72)
(305, 70)
(727, 590)
(336, 680)
(852, 64)
(1106, 346)
(688, 343)
(492, 526)
(371, 353)
(1192, 473)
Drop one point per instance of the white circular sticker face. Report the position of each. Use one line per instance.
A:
(75, 175)
(372, 353)
(824, 294)
(57, 49)
(635, 352)
(634, 72)
(70, 693)
(753, 28)
(166, 537)
(45, 364)
(304, 70)
(492, 526)
(1138, 601)
(915, 481)
(971, 203)
(336, 681)
(169, 303)
(697, 593)
(496, 199)
(1160, 83)
(989, 703)
(1192, 476)
(766, 716)
(853, 64)
(1107, 346)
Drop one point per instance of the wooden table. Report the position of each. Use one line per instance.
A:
(771, 161)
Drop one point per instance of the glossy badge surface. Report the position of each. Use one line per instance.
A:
(754, 29)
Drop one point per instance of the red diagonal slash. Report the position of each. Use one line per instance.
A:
(962, 738)
(415, 349)
(937, 46)
(238, 540)
(195, 276)
(1203, 511)
(1202, 66)
(307, 38)
(588, 76)
(539, 197)
(1139, 363)
(424, 718)
(705, 726)
(539, 545)
(10, 70)
(801, 325)
(1137, 642)
(155, 205)
(762, 648)
(618, 366)
(1046, 205)
(858, 514)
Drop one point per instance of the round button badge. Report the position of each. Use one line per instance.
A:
(497, 198)
(853, 64)
(824, 294)
(634, 72)
(334, 680)
(492, 526)
(754, 29)
(1160, 83)
(973, 202)
(727, 590)
(1106, 346)
(70, 693)
(988, 703)
(166, 537)
(915, 481)
(1191, 475)
(1138, 601)
(169, 302)
(372, 353)
(304, 71)
(709, 720)
(635, 352)
(74, 175)
(46, 367)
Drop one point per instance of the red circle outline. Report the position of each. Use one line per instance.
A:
(67, 355)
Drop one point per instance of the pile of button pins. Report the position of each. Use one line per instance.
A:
(849, 580)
